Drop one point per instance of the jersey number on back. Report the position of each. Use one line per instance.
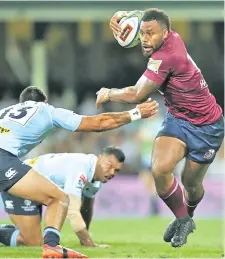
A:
(20, 116)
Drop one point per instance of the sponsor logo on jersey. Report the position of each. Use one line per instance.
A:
(83, 178)
(4, 130)
(9, 204)
(210, 154)
(32, 161)
(11, 173)
(154, 65)
(203, 84)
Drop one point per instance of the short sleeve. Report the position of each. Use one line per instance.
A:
(66, 119)
(91, 189)
(158, 68)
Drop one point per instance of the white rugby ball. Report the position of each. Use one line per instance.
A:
(130, 26)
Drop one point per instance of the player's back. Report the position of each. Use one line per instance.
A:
(65, 169)
(23, 126)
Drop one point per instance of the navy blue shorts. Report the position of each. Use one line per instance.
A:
(19, 206)
(12, 169)
(202, 141)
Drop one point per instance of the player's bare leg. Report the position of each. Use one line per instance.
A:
(29, 229)
(192, 178)
(34, 186)
(167, 152)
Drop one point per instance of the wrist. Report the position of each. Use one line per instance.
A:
(87, 243)
(135, 114)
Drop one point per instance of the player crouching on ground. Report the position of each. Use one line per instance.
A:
(81, 176)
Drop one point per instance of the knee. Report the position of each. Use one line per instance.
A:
(162, 168)
(190, 184)
(65, 200)
(60, 197)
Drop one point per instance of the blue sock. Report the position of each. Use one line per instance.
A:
(8, 236)
(51, 236)
(13, 241)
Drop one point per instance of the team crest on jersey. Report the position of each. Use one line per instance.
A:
(82, 181)
(154, 65)
(210, 154)
(83, 178)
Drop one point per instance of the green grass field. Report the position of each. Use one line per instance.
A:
(137, 238)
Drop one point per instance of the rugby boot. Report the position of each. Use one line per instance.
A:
(170, 230)
(60, 252)
(185, 227)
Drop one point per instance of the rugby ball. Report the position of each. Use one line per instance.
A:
(130, 26)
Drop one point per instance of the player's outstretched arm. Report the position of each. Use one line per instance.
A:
(108, 121)
(132, 94)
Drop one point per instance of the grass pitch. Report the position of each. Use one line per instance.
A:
(136, 239)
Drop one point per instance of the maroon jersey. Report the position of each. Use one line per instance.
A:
(185, 91)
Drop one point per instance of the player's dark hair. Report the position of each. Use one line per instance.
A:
(116, 151)
(156, 14)
(33, 93)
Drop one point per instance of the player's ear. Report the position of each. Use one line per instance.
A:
(165, 33)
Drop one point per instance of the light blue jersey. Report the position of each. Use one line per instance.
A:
(25, 125)
(72, 172)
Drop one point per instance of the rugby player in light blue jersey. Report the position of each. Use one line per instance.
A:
(25, 125)
(80, 176)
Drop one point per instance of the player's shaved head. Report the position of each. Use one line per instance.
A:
(159, 15)
(116, 151)
(33, 93)
(109, 164)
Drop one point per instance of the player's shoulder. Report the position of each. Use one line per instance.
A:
(172, 47)
(71, 157)
(83, 161)
(170, 55)
(84, 158)
(32, 104)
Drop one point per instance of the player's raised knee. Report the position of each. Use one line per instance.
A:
(160, 168)
(60, 196)
(191, 187)
(65, 200)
